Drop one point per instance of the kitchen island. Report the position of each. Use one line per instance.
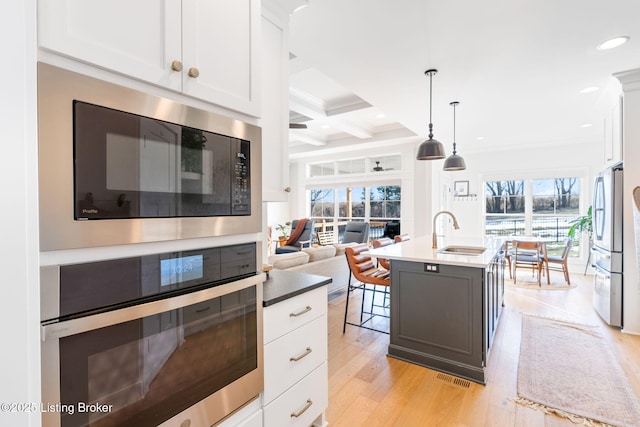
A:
(445, 303)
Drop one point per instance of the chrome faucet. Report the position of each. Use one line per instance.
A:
(435, 236)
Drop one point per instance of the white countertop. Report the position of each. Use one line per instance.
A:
(420, 250)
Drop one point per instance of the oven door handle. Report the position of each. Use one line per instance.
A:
(66, 328)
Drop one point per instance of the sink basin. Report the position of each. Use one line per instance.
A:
(462, 250)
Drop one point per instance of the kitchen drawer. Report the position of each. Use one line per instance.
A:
(290, 314)
(282, 372)
(312, 391)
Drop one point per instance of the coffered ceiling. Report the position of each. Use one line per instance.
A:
(517, 68)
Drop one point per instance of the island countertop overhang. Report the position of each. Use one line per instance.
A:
(420, 250)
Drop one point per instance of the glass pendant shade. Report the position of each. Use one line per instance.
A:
(431, 149)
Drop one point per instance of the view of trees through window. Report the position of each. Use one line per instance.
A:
(376, 205)
(541, 207)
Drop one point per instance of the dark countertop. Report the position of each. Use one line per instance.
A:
(282, 285)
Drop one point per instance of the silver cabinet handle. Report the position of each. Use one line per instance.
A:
(302, 356)
(303, 410)
(194, 72)
(300, 313)
(176, 65)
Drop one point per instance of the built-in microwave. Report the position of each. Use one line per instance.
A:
(121, 166)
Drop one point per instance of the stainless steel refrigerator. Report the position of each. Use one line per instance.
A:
(607, 245)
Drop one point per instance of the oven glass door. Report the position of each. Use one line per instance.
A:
(143, 371)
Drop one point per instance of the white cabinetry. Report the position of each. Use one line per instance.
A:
(275, 103)
(295, 361)
(208, 49)
(613, 134)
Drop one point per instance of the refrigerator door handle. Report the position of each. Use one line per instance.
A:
(597, 250)
(601, 271)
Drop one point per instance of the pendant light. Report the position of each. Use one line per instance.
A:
(454, 162)
(430, 149)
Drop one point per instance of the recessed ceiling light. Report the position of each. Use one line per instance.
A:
(325, 126)
(590, 89)
(302, 6)
(479, 138)
(586, 125)
(615, 42)
(381, 116)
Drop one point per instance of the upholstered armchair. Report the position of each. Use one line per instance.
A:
(356, 232)
(299, 238)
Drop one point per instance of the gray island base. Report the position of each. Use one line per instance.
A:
(445, 308)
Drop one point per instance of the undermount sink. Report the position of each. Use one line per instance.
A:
(462, 250)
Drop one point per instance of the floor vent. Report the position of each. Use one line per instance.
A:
(454, 380)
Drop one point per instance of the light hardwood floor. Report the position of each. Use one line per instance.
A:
(367, 388)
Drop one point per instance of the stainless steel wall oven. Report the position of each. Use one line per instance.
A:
(152, 340)
(120, 166)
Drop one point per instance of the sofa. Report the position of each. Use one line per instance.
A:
(326, 260)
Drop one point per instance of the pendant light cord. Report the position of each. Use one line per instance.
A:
(454, 128)
(430, 100)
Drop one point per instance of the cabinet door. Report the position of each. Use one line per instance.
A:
(275, 108)
(220, 42)
(137, 38)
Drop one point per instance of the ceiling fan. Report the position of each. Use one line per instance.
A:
(378, 168)
(297, 126)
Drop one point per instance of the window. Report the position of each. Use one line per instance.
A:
(362, 165)
(351, 202)
(350, 194)
(555, 203)
(385, 202)
(504, 208)
(377, 205)
(346, 167)
(322, 203)
(321, 169)
(539, 207)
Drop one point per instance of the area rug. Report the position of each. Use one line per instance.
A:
(529, 281)
(568, 369)
(523, 284)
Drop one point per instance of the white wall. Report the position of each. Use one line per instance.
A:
(19, 297)
(631, 152)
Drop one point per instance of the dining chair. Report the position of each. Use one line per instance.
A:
(368, 277)
(559, 263)
(508, 255)
(531, 255)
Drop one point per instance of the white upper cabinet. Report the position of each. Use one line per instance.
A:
(208, 49)
(221, 40)
(275, 104)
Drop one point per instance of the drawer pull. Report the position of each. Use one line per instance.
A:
(303, 410)
(302, 356)
(300, 313)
